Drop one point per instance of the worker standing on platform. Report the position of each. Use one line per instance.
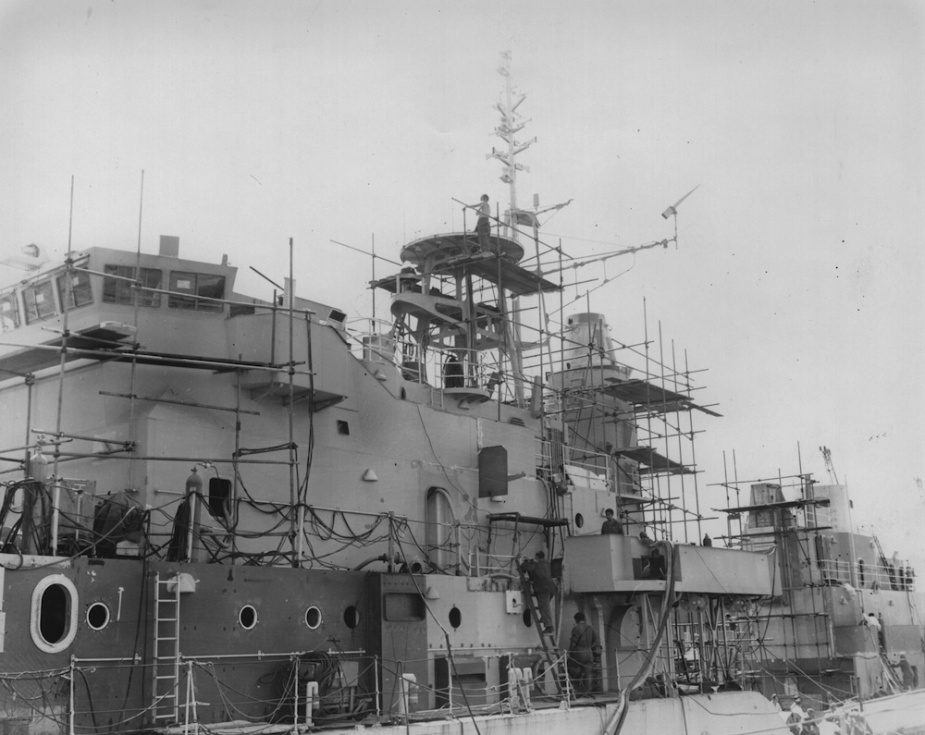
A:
(611, 524)
(582, 648)
(453, 374)
(483, 225)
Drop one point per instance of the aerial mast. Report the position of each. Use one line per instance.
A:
(511, 124)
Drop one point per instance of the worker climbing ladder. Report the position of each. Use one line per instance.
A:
(891, 681)
(555, 662)
(165, 701)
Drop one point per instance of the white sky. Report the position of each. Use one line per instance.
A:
(799, 277)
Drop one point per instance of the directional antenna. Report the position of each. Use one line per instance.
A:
(673, 209)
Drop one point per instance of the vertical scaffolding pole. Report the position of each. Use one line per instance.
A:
(665, 505)
(675, 387)
(690, 425)
(295, 536)
(136, 306)
(648, 373)
(65, 309)
(728, 515)
(735, 475)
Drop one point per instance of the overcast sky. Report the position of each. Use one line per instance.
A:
(798, 278)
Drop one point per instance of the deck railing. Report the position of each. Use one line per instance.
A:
(553, 459)
(869, 576)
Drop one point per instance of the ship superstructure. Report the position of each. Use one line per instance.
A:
(222, 509)
(845, 619)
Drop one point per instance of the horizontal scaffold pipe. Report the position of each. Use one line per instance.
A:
(82, 437)
(148, 458)
(45, 443)
(192, 404)
(244, 451)
(776, 480)
(261, 655)
(168, 359)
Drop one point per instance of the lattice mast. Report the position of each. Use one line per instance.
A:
(511, 124)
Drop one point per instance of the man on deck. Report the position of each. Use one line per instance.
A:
(483, 225)
(611, 524)
(582, 647)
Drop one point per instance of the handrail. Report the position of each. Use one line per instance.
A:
(870, 576)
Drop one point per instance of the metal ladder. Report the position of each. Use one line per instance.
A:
(554, 661)
(889, 675)
(883, 569)
(165, 679)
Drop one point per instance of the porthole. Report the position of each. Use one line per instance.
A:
(247, 618)
(579, 520)
(98, 616)
(351, 617)
(53, 622)
(455, 617)
(313, 617)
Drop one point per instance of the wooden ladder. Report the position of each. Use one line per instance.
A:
(554, 660)
(165, 680)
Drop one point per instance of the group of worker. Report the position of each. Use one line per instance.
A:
(799, 721)
(584, 648)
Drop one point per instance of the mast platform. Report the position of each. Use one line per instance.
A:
(457, 253)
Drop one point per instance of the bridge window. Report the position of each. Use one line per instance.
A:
(81, 293)
(39, 300)
(9, 312)
(195, 284)
(117, 291)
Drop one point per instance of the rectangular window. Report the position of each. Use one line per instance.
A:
(81, 292)
(39, 301)
(220, 497)
(9, 312)
(117, 291)
(195, 284)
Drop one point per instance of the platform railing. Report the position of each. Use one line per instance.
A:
(869, 576)
(552, 459)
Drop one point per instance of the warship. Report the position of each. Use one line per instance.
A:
(223, 513)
